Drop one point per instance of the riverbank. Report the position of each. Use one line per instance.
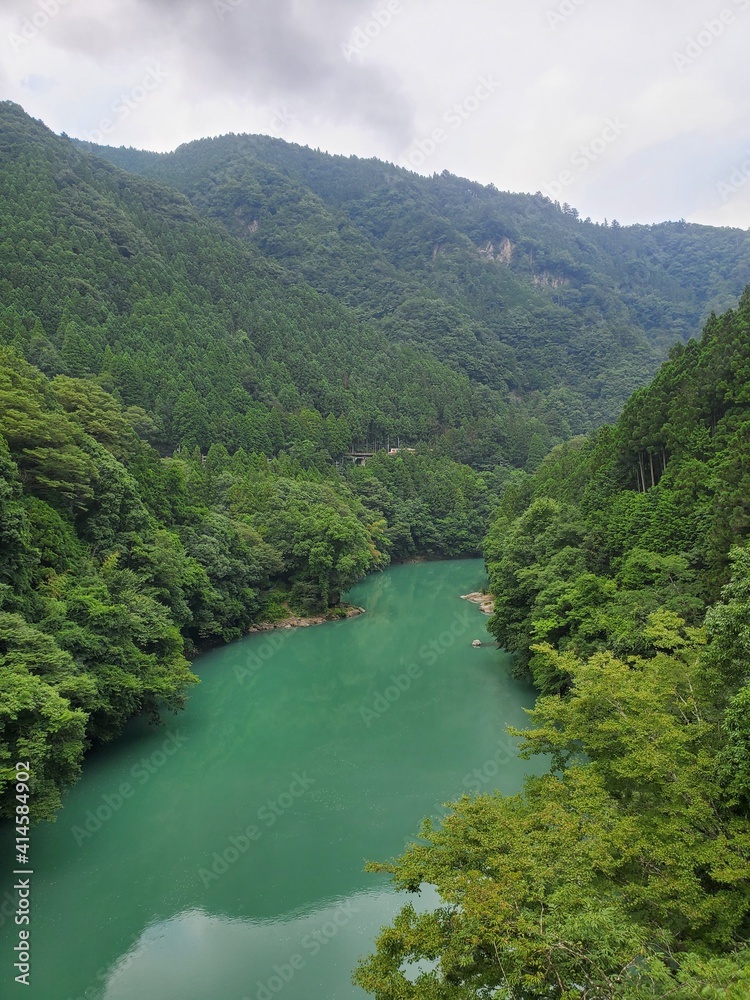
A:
(418, 560)
(275, 740)
(340, 613)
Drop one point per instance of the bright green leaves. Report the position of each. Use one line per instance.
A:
(610, 879)
(37, 722)
(625, 872)
(97, 413)
(734, 763)
(728, 626)
(17, 558)
(322, 541)
(526, 909)
(546, 593)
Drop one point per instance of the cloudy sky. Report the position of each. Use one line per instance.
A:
(637, 111)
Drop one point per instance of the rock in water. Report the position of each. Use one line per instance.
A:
(486, 602)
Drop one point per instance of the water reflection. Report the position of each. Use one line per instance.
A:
(192, 873)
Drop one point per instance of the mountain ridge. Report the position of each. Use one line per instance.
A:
(501, 286)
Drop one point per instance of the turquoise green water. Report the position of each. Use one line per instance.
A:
(221, 857)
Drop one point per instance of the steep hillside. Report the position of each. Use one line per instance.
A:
(171, 405)
(640, 516)
(623, 872)
(511, 290)
(108, 274)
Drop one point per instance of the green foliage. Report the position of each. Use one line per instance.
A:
(432, 506)
(115, 562)
(325, 548)
(624, 871)
(513, 291)
(202, 338)
(181, 379)
(636, 519)
(38, 725)
(623, 876)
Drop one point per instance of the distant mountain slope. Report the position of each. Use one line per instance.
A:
(623, 871)
(634, 517)
(171, 406)
(509, 289)
(108, 274)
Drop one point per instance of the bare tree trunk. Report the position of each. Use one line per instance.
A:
(643, 470)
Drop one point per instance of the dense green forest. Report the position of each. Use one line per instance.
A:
(115, 562)
(190, 346)
(513, 291)
(105, 274)
(172, 407)
(622, 582)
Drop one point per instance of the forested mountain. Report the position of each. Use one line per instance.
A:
(513, 291)
(180, 380)
(107, 274)
(621, 575)
(115, 562)
(637, 517)
(170, 407)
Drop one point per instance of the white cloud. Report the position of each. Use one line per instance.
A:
(564, 68)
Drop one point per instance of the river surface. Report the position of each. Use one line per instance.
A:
(221, 857)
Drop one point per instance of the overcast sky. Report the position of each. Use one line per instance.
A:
(632, 110)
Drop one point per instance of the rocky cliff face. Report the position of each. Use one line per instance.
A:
(503, 253)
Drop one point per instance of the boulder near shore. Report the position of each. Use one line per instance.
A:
(486, 602)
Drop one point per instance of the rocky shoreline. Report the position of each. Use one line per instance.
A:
(295, 621)
(486, 602)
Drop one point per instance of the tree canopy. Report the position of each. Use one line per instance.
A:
(621, 574)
